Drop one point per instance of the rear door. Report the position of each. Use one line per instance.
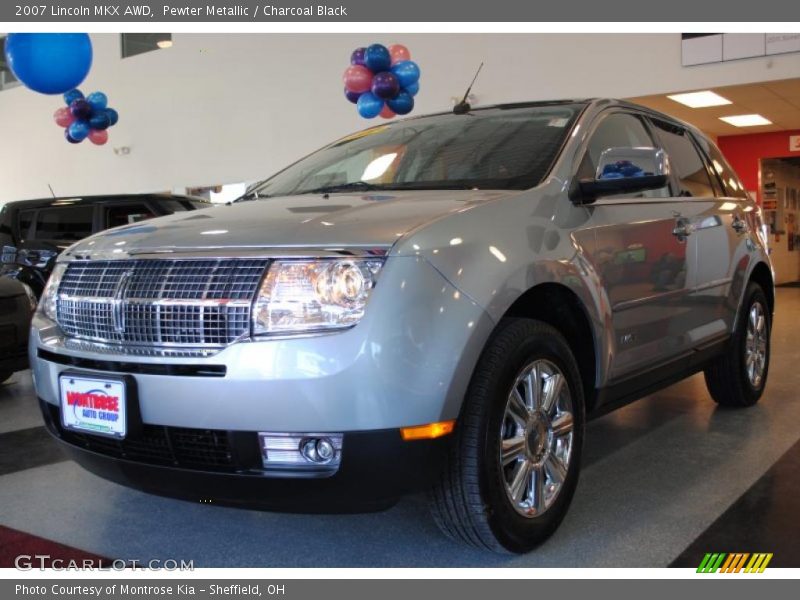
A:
(646, 269)
(724, 247)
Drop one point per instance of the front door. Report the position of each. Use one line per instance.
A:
(643, 258)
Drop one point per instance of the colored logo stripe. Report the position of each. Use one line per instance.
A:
(734, 563)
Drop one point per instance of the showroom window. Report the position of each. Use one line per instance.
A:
(7, 79)
(685, 160)
(69, 223)
(139, 43)
(618, 130)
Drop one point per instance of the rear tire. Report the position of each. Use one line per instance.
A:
(513, 463)
(737, 378)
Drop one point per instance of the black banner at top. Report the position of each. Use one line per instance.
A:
(398, 11)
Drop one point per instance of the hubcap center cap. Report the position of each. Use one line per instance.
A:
(536, 437)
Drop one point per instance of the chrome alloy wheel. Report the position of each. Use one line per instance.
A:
(536, 438)
(755, 346)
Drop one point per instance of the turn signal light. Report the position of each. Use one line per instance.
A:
(427, 432)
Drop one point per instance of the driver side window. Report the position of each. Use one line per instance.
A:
(618, 130)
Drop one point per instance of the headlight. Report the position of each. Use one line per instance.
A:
(48, 304)
(314, 295)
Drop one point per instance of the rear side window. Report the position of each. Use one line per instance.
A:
(125, 214)
(731, 183)
(69, 223)
(685, 160)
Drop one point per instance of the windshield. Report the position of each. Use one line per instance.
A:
(497, 148)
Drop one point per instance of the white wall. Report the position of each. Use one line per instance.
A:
(225, 108)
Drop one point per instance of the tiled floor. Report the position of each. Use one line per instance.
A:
(663, 479)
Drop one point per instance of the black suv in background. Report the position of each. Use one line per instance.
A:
(17, 304)
(34, 232)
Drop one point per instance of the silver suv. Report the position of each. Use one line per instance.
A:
(437, 304)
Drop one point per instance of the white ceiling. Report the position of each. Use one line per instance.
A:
(778, 101)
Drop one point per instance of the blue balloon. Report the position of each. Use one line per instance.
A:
(413, 89)
(98, 100)
(377, 58)
(100, 121)
(113, 116)
(369, 105)
(402, 104)
(407, 73)
(72, 95)
(49, 63)
(79, 130)
(69, 138)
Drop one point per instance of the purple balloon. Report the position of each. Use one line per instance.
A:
(80, 109)
(351, 96)
(385, 85)
(357, 57)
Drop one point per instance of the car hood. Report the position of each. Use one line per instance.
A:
(310, 221)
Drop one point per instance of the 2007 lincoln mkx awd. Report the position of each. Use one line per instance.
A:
(437, 303)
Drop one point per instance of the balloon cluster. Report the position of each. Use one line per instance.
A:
(382, 81)
(88, 117)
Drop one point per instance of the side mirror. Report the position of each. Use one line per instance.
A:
(625, 171)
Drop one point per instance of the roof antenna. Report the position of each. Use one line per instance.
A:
(463, 107)
(52, 192)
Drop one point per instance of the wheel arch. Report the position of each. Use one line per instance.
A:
(559, 306)
(762, 275)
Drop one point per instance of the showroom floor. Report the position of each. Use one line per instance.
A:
(665, 480)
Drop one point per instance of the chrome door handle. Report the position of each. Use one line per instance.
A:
(683, 229)
(739, 224)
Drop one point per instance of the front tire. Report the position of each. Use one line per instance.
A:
(737, 378)
(513, 464)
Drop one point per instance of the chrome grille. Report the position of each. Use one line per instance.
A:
(176, 302)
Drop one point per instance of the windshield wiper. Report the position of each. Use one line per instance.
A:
(345, 187)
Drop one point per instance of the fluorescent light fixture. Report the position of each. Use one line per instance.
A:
(746, 120)
(164, 44)
(700, 99)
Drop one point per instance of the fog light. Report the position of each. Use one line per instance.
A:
(317, 450)
(307, 454)
(325, 449)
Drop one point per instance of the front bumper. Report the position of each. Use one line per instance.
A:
(408, 362)
(377, 468)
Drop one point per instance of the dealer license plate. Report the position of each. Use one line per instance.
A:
(93, 405)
